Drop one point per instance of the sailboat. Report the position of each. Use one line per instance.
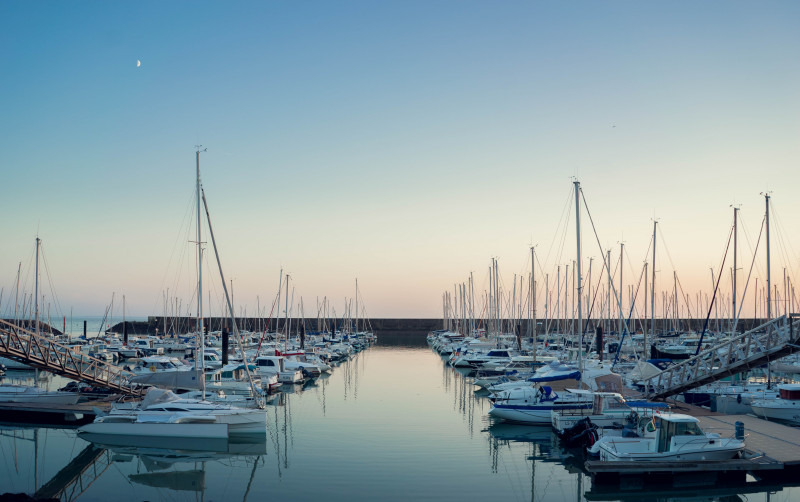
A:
(532, 402)
(162, 413)
(14, 393)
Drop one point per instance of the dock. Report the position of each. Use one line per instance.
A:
(45, 413)
(772, 452)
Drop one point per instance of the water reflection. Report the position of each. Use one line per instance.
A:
(389, 424)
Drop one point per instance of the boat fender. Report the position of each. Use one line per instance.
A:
(739, 398)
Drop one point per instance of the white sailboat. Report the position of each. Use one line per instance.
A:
(13, 393)
(162, 412)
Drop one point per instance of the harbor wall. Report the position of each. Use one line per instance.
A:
(398, 326)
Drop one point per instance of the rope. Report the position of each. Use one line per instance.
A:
(711, 304)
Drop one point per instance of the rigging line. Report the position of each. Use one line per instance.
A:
(594, 299)
(175, 245)
(59, 310)
(711, 304)
(633, 300)
(782, 241)
(238, 336)
(683, 297)
(597, 238)
(747, 282)
(666, 248)
(630, 261)
(565, 212)
(750, 245)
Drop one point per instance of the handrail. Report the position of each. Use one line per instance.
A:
(771, 339)
(41, 352)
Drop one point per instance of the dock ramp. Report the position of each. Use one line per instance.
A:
(42, 353)
(759, 346)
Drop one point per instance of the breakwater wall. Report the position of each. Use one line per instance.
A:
(159, 325)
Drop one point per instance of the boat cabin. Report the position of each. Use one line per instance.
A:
(790, 391)
(672, 429)
(270, 363)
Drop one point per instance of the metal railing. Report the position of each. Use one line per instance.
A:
(45, 354)
(760, 345)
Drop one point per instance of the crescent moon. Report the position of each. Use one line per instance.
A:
(138, 63)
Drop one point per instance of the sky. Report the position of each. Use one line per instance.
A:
(401, 143)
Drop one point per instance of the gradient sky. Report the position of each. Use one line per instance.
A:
(401, 143)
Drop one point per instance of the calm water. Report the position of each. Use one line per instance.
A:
(394, 423)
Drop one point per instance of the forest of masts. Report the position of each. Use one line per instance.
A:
(545, 302)
(285, 314)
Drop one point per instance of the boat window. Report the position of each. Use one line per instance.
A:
(617, 403)
(687, 429)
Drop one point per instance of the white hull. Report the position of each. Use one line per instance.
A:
(534, 414)
(777, 411)
(23, 394)
(607, 453)
(167, 430)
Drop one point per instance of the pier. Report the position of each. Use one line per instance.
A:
(45, 354)
(772, 452)
(51, 414)
(756, 347)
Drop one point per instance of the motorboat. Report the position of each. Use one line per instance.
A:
(669, 437)
(275, 365)
(233, 379)
(609, 409)
(784, 408)
(12, 393)
(536, 409)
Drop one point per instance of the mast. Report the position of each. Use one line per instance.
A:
(199, 321)
(533, 301)
(608, 293)
(356, 305)
(16, 300)
(471, 306)
(286, 322)
(558, 299)
(735, 315)
(769, 283)
(578, 264)
(36, 300)
(652, 294)
(621, 254)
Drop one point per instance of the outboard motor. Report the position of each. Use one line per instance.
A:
(581, 435)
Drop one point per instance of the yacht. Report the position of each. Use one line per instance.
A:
(785, 408)
(669, 437)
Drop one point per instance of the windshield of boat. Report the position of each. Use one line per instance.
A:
(687, 429)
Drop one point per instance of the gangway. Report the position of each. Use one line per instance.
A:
(759, 346)
(40, 352)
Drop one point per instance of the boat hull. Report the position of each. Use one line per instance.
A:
(166, 430)
(777, 411)
(531, 414)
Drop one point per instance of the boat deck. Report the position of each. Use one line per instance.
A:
(772, 449)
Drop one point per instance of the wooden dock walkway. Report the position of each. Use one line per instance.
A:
(772, 450)
(775, 440)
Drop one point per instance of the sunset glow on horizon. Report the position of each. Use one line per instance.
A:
(403, 144)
